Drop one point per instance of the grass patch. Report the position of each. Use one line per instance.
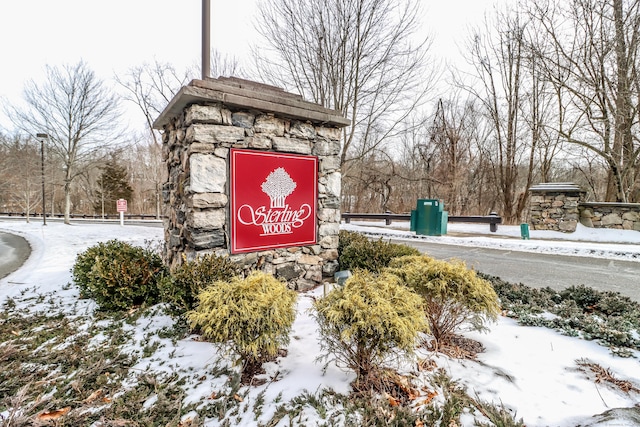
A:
(73, 371)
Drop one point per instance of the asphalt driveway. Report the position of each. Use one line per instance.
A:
(14, 251)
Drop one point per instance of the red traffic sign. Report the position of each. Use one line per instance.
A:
(121, 205)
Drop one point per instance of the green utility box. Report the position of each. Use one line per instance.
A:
(524, 231)
(443, 222)
(429, 218)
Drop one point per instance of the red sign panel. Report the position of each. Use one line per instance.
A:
(121, 205)
(273, 200)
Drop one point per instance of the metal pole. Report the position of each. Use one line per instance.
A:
(206, 38)
(42, 137)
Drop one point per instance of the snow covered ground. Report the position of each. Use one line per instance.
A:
(531, 371)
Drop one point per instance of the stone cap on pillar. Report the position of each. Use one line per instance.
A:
(556, 187)
(245, 94)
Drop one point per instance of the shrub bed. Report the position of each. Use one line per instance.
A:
(608, 317)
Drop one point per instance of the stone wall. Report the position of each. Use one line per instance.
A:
(623, 216)
(560, 206)
(554, 206)
(201, 124)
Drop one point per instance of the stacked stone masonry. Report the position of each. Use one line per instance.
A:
(197, 143)
(622, 216)
(561, 206)
(554, 211)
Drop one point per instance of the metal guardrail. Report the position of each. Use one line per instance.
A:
(493, 219)
(83, 216)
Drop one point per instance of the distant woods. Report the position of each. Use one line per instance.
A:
(549, 92)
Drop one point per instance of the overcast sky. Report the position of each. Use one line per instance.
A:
(112, 36)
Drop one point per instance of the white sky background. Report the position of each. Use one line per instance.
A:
(112, 36)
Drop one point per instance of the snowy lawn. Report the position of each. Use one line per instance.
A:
(536, 374)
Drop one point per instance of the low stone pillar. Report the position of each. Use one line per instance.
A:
(210, 121)
(554, 206)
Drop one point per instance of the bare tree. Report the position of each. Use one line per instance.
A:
(21, 180)
(151, 86)
(591, 57)
(496, 53)
(354, 56)
(451, 136)
(221, 65)
(511, 89)
(5, 171)
(76, 110)
(147, 172)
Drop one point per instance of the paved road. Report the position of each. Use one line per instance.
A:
(540, 270)
(14, 251)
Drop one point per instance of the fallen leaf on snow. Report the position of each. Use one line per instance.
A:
(392, 400)
(93, 396)
(429, 398)
(53, 415)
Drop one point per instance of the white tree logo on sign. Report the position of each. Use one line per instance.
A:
(278, 186)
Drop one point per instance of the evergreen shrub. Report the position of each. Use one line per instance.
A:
(608, 317)
(517, 297)
(182, 287)
(452, 293)
(253, 316)
(372, 255)
(345, 238)
(118, 275)
(368, 321)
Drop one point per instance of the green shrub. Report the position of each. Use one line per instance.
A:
(345, 238)
(367, 321)
(253, 316)
(452, 293)
(118, 275)
(608, 317)
(182, 287)
(519, 297)
(606, 303)
(585, 298)
(372, 255)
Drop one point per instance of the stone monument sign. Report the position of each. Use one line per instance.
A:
(253, 173)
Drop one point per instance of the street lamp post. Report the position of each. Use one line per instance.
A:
(42, 137)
